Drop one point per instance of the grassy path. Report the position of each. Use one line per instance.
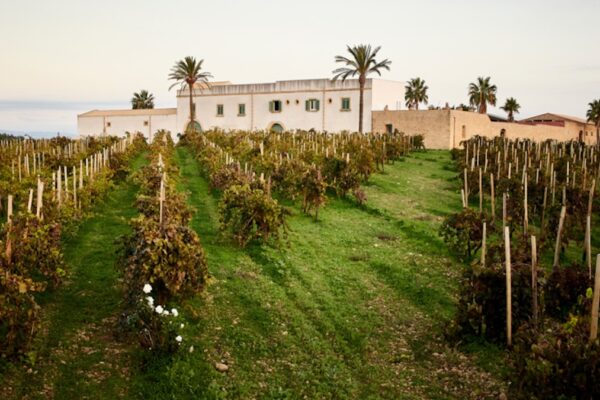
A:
(77, 354)
(352, 307)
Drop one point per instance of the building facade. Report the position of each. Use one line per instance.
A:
(445, 128)
(319, 104)
(118, 122)
(326, 106)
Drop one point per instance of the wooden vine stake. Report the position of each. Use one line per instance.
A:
(161, 199)
(9, 222)
(40, 192)
(9, 209)
(588, 244)
(503, 210)
(595, 302)
(483, 244)
(525, 213)
(508, 287)
(466, 188)
(30, 201)
(492, 197)
(534, 288)
(480, 193)
(561, 222)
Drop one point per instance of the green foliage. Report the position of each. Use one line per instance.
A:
(168, 256)
(313, 188)
(559, 362)
(19, 312)
(482, 298)
(164, 253)
(35, 248)
(565, 292)
(250, 214)
(341, 176)
(463, 232)
(31, 253)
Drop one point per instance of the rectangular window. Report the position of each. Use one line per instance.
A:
(312, 105)
(389, 128)
(275, 106)
(108, 124)
(241, 110)
(145, 123)
(345, 103)
(219, 110)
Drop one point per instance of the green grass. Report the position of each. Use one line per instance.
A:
(351, 306)
(76, 352)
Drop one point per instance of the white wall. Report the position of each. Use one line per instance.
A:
(120, 124)
(387, 93)
(293, 95)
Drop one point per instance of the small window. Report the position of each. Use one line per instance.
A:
(464, 131)
(345, 103)
(241, 110)
(312, 105)
(275, 106)
(219, 110)
(108, 124)
(389, 128)
(145, 123)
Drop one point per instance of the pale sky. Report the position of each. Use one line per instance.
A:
(60, 58)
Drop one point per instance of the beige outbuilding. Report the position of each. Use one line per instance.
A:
(446, 128)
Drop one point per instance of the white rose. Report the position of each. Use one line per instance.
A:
(147, 288)
(179, 338)
(174, 312)
(159, 309)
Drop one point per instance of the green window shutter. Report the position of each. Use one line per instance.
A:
(271, 106)
(318, 105)
(307, 105)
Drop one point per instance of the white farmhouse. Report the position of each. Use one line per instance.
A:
(117, 122)
(319, 104)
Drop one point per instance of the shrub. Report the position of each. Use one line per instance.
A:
(482, 299)
(250, 213)
(36, 248)
(157, 328)
(169, 257)
(558, 363)
(463, 232)
(314, 188)
(226, 176)
(19, 313)
(565, 291)
(341, 176)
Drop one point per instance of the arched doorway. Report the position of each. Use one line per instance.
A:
(503, 133)
(193, 126)
(276, 127)
(580, 136)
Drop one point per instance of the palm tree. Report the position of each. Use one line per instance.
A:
(142, 100)
(511, 107)
(186, 72)
(416, 92)
(362, 63)
(481, 93)
(593, 116)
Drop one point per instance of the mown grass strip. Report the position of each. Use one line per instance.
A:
(77, 356)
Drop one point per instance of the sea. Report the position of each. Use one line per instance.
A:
(43, 119)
